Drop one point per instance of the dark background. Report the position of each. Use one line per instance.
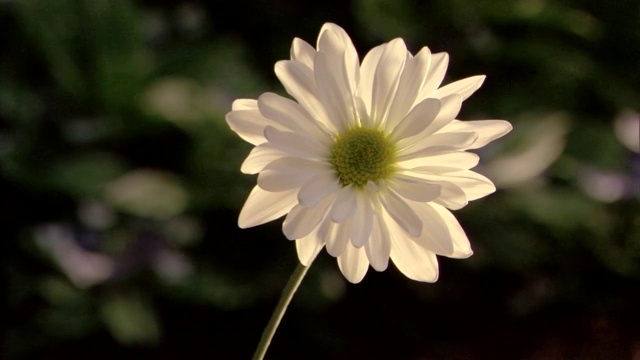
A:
(120, 184)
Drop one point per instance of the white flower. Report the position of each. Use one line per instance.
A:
(368, 158)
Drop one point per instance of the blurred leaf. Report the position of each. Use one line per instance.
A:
(131, 319)
(18, 104)
(557, 209)
(116, 38)
(54, 28)
(85, 175)
(59, 292)
(70, 309)
(93, 47)
(597, 145)
(147, 193)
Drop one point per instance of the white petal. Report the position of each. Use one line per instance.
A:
(461, 245)
(417, 120)
(362, 222)
(348, 51)
(378, 247)
(464, 87)
(317, 188)
(451, 196)
(411, 80)
(259, 157)
(363, 115)
(303, 52)
(288, 173)
(301, 220)
(474, 185)
(450, 159)
(402, 213)
(435, 144)
(386, 79)
(244, 104)
(299, 81)
(337, 237)
(345, 204)
(263, 206)
(449, 108)
(308, 248)
(415, 189)
(435, 75)
(291, 115)
(334, 91)
(295, 144)
(487, 130)
(367, 74)
(436, 236)
(414, 261)
(353, 264)
(249, 125)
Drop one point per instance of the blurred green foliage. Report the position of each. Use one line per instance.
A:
(120, 184)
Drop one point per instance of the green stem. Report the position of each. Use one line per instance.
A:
(278, 312)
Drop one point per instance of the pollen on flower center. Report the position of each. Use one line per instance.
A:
(361, 155)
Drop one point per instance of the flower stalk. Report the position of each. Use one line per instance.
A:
(287, 294)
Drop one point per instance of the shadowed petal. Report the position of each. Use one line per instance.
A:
(289, 114)
(415, 189)
(461, 245)
(299, 81)
(447, 111)
(295, 144)
(419, 119)
(443, 234)
(301, 220)
(435, 236)
(402, 213)
(288, 173)
(451, 196)
(317, 188)
(345, 204)
(414, 261)
(259, 157)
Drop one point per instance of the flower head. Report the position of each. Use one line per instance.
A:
(368, 158)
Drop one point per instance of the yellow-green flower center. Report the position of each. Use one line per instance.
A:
(361, 155)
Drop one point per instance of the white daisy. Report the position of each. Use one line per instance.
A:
(368, 159)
